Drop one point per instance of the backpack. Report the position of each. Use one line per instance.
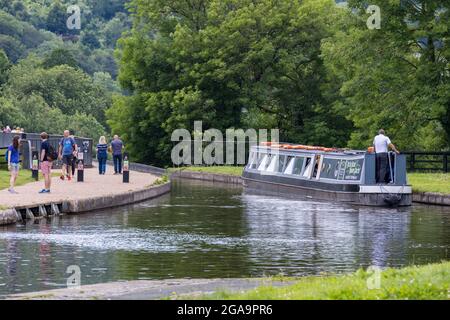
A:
(52, 154)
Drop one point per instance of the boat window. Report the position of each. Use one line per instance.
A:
(317, 166)
(264, 162)
(330, 168)
(281, 160)
(273, 164)
(254, 161)
(308, 168)
(294, 165)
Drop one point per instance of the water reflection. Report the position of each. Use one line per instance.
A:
(203, 230)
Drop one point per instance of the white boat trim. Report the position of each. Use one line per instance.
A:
(385, 189)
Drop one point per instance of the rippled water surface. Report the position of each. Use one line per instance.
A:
(203, 230)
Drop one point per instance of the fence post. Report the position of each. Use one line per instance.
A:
(35, 166)
(411, 161)
(126, 169)
(445, 163)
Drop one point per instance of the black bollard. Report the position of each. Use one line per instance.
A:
(126, 169)
(80, 171)
(35, 166)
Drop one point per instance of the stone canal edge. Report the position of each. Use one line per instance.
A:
(10, 216)
(72, 206)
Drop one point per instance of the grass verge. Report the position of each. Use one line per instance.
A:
(431, 282)
(23, 178)
(430, 182)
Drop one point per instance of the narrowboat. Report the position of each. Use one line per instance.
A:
(327, 174)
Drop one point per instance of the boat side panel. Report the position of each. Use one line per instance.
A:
(367, 199)
(306, 183)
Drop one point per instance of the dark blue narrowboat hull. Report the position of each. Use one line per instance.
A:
(336, 192)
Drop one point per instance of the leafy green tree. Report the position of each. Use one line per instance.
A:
(4, 66)
(57, 18)
(58, 57)
(89, 39)
(210, 60)
(62, 87)
(397, 77)
(9, 113)
(12, 47)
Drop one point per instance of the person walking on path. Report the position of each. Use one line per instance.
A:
(75, 155)
(13, 162)
(381, 144)
(46, 157)
(102, 154)
(67, 146)
(117, 149)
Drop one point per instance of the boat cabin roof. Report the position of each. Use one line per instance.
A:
(304, 149)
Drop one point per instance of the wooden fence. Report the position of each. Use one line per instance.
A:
(427, 161)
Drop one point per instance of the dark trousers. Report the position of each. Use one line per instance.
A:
(74, 165)
(101, 164)
(117, 163)
(382, 167)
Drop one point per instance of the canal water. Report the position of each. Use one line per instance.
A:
(205, 230)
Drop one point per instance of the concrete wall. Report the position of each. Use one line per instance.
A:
(432, 198)
(224, 178)
(8, 216)
(96, 203)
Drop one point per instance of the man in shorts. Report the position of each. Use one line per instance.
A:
(67, 147)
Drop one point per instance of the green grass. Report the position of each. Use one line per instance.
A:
(430, 182)
(416, 282)
(230, 170)
(23, 178)
(161, 180)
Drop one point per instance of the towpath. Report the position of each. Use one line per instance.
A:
(94, 185)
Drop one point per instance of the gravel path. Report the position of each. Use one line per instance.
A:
(94, 185)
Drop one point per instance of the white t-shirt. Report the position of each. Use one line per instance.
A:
(381, 143)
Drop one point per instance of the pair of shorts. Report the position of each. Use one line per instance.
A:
(67, 159)
(15, 167)
(46, 167)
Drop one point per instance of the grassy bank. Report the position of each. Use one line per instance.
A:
(422, 282)
(430, 182)
(23, 178)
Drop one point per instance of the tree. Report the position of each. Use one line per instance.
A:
(398, 77)
(61, 87)
(4, 66)
(12, 47)
(89, 39)
(58, 57)
(210, 60)
(56, 19)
